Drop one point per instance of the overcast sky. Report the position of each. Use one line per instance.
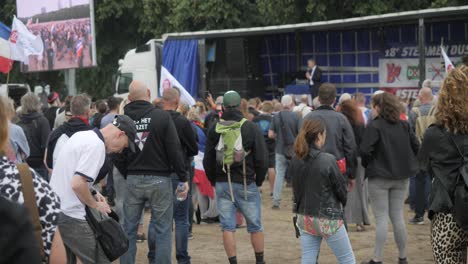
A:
(28, 8)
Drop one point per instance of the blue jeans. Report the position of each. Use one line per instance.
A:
(251, 208)
(157, 191)
(281, 167)
(339, 243)
(120, 186)
(181, 210)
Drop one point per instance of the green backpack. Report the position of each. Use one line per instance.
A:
(230, 149)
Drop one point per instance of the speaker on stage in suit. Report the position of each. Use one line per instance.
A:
(314, 75)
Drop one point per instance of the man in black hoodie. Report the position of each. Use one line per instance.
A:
(188, 141)
(149, 173)
(36, 128)
(234, 195)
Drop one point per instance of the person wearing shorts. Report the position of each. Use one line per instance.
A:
(240, 190)
(264, 121)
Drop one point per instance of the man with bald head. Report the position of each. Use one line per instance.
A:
(159, 155)
(421, 118)
(189, 148)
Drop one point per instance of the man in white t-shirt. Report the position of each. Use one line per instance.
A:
(77, 167)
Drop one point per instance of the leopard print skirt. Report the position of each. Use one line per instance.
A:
(449, 242)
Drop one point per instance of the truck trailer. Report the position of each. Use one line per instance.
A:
(362, 54)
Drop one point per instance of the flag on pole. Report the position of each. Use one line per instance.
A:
(168, 81)
(448, 63)
(5, 62)
(23, 43)
(200, 178)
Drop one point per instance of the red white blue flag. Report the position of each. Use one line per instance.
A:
(5, 53)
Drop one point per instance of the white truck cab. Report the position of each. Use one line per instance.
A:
(142, 63)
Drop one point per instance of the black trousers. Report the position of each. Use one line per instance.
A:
(313, 91)
(423, 188)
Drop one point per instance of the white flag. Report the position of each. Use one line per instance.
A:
(168, 81)
(23, 43)
(448, 63)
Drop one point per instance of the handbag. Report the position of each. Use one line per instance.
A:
(108, 232)
(460, 196)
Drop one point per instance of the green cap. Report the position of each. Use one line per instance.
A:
(231, 99)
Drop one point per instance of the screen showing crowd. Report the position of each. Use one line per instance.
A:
(66, 32)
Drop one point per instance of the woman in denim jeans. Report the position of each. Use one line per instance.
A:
(319, 190)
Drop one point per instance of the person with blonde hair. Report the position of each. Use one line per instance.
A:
(37, 130)
(264, 121)
(17, 149)
(443, 155)
(11, 188)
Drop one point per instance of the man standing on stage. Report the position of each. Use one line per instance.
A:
(314, 75)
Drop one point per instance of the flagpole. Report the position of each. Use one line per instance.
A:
(8, 78)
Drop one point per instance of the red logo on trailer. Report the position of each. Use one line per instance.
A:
(393, 72)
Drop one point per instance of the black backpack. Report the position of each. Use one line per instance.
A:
(288, 139)
(460, 196)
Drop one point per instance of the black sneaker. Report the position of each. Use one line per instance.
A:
(207, 221)
(402, 261)
(141, 238)
(417, 220)
(275, 207)
(372, 262)
(190, 236)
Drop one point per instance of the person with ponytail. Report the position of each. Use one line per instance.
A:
(319, 191)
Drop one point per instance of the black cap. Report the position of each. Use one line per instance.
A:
(127, 125)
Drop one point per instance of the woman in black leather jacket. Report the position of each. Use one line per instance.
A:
(441, 158)
(319, 190)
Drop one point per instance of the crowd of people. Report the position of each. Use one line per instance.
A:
(206, 163)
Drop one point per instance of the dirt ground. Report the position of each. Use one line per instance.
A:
(281, 245)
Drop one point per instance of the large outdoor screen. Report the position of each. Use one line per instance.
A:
(66, 28)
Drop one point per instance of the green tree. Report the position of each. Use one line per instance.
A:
(125, 24)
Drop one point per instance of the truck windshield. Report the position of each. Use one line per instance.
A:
(124, 81)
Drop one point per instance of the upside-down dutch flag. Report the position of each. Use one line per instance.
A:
(200, 178)
(79, 48)
(5, 53)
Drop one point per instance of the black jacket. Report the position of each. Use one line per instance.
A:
(317, 77)
(256, 161)
(187, 136)
(212, 118)
(319, 188)
(51, 114)
(68, 128)
(388, 150)
(37, 129)
(439, 156)
(159, 146)
(18, 244)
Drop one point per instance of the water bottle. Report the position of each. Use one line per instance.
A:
(180, 189)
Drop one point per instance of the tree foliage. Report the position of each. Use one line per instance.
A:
(125, 24)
